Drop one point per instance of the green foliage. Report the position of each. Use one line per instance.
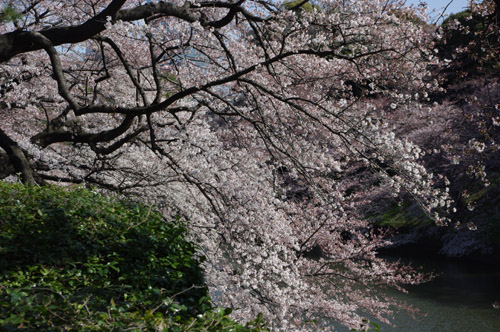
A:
(308, 7)
(9, 14)
(477, 191)
(405, 214)
(369, 326)
(486, 202)
(217, 321)
(460, 16)
(75, 260)
(472, 41)
(455, 37)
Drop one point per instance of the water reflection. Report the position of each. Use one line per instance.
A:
(458, 300)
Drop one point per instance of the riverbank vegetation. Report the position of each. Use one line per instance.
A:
(71, 259)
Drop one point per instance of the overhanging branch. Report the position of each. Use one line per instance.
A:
(17, 158)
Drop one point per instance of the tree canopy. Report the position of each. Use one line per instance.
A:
(240, 116)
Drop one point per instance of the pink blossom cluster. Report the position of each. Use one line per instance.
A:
(243, 118)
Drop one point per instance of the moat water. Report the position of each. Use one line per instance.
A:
(458, 300)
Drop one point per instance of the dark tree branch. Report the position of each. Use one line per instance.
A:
(230, 78)
(46, 138)
(118, 144)
(62, 84)
(126, 65)
(17, 42)
(17, 158)
(156, 73)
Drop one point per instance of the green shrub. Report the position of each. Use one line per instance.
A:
(308, 7)
(9, 14)
(75, 260)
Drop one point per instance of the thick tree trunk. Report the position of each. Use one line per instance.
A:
(17, 158)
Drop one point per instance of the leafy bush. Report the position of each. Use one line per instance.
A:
(75, 260)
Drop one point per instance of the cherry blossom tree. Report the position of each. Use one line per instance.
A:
(240, 116)
(470, 42)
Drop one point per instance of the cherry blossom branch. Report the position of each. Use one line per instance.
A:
(62, 84)
(230, 78)
(18, 42)
(126, 65)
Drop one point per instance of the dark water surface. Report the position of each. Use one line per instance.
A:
(458, 300)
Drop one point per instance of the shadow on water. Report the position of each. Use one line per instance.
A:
(476, 283)
(459, 299)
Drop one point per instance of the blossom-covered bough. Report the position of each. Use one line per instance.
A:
(240, 116)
